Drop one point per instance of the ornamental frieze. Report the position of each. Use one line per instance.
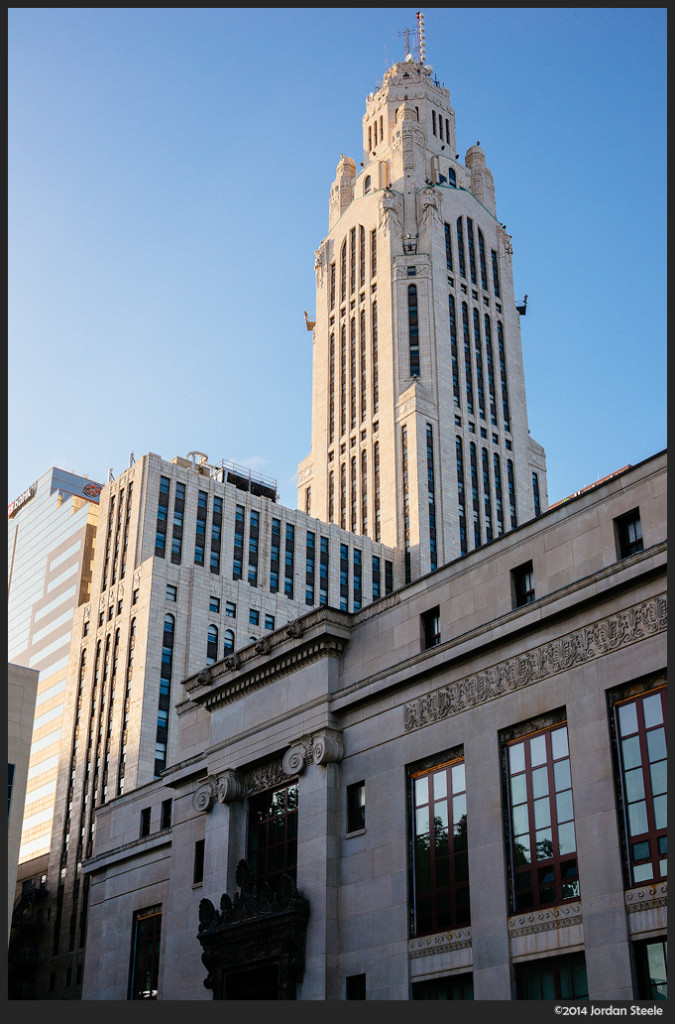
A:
(442, 942)
(566, 916)
(550, 659)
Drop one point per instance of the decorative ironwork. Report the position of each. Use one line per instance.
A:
(258, 928)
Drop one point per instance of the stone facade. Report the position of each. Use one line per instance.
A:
(417, 356)
(340, 699)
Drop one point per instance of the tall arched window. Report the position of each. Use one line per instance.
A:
(212, 645)
(367, 185)
(228, 641)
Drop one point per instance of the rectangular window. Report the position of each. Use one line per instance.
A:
(431, 628)
(640, 736)
(253, 616)
(456, 986)
(145, 822)
(166, 813)
(628, 532)
(272, 834)
(289, 560)
(440, 868)
(652, 976)
(198, 863)
(356, 807)
(522, 585)
(231, 609)
(171, 592)
(542, 841)
(555, 977)
(388, 577)
(269, 622)
(214, 604)
(355, 986)
(145, 943)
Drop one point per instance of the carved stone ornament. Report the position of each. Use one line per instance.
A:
(205, 797)
(232, 662)
(321, 748)
(257, 928)
(561, 655)
(390, 213)
(230, 787)
(263, 646)
(295, 630)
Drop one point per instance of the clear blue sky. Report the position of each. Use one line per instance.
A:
(169, 173)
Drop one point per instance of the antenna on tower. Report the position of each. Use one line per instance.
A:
(406, 41)
(421, 42)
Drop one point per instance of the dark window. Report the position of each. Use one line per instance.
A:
(522, 580)
(10, 781)
(198, 863)
(431, 628)
(457, 986)
(214, 604)
(651, 963)
(641, 740)
(542, 841)
(355, 986)
(212, 645)
(555, 977)
(440, 868)
(228, 641)
(269, 622)
(230, 609)
(628, 531)
(145, 822)
(166, 813)
(413, 331)
(272, 834)
(535, 494)
(253, 616)
(356, 806)
(145, 941)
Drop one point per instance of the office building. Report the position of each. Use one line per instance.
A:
(464, 785)
(194, 563)
(22, 686)
(51, 527)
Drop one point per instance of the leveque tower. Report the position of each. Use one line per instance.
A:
(419, 421)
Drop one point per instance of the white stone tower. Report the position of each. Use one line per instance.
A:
(419, 422)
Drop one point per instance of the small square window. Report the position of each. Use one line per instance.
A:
(431, 628)
(171, 592)
(522, 581)
(254, 616)
(269, 622)
(231, 609)
(628, 530)
(214, 604)
(356, 807)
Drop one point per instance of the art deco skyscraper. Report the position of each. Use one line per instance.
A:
(419, 422)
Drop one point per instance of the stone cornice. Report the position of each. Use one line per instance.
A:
(442, 942)
(646, 897)
(575, 648)
(564, 916)
(321, 634)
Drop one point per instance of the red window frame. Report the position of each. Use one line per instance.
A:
(542, 838)
(640, 729)
(273, 834)
(440, 868)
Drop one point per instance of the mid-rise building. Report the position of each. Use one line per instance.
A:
(419, 421)
(193, 563)
(52, 529)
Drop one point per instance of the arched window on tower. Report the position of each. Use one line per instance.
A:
(212, 645)
(367, 185)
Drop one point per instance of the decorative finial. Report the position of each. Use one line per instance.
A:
(420, 35)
